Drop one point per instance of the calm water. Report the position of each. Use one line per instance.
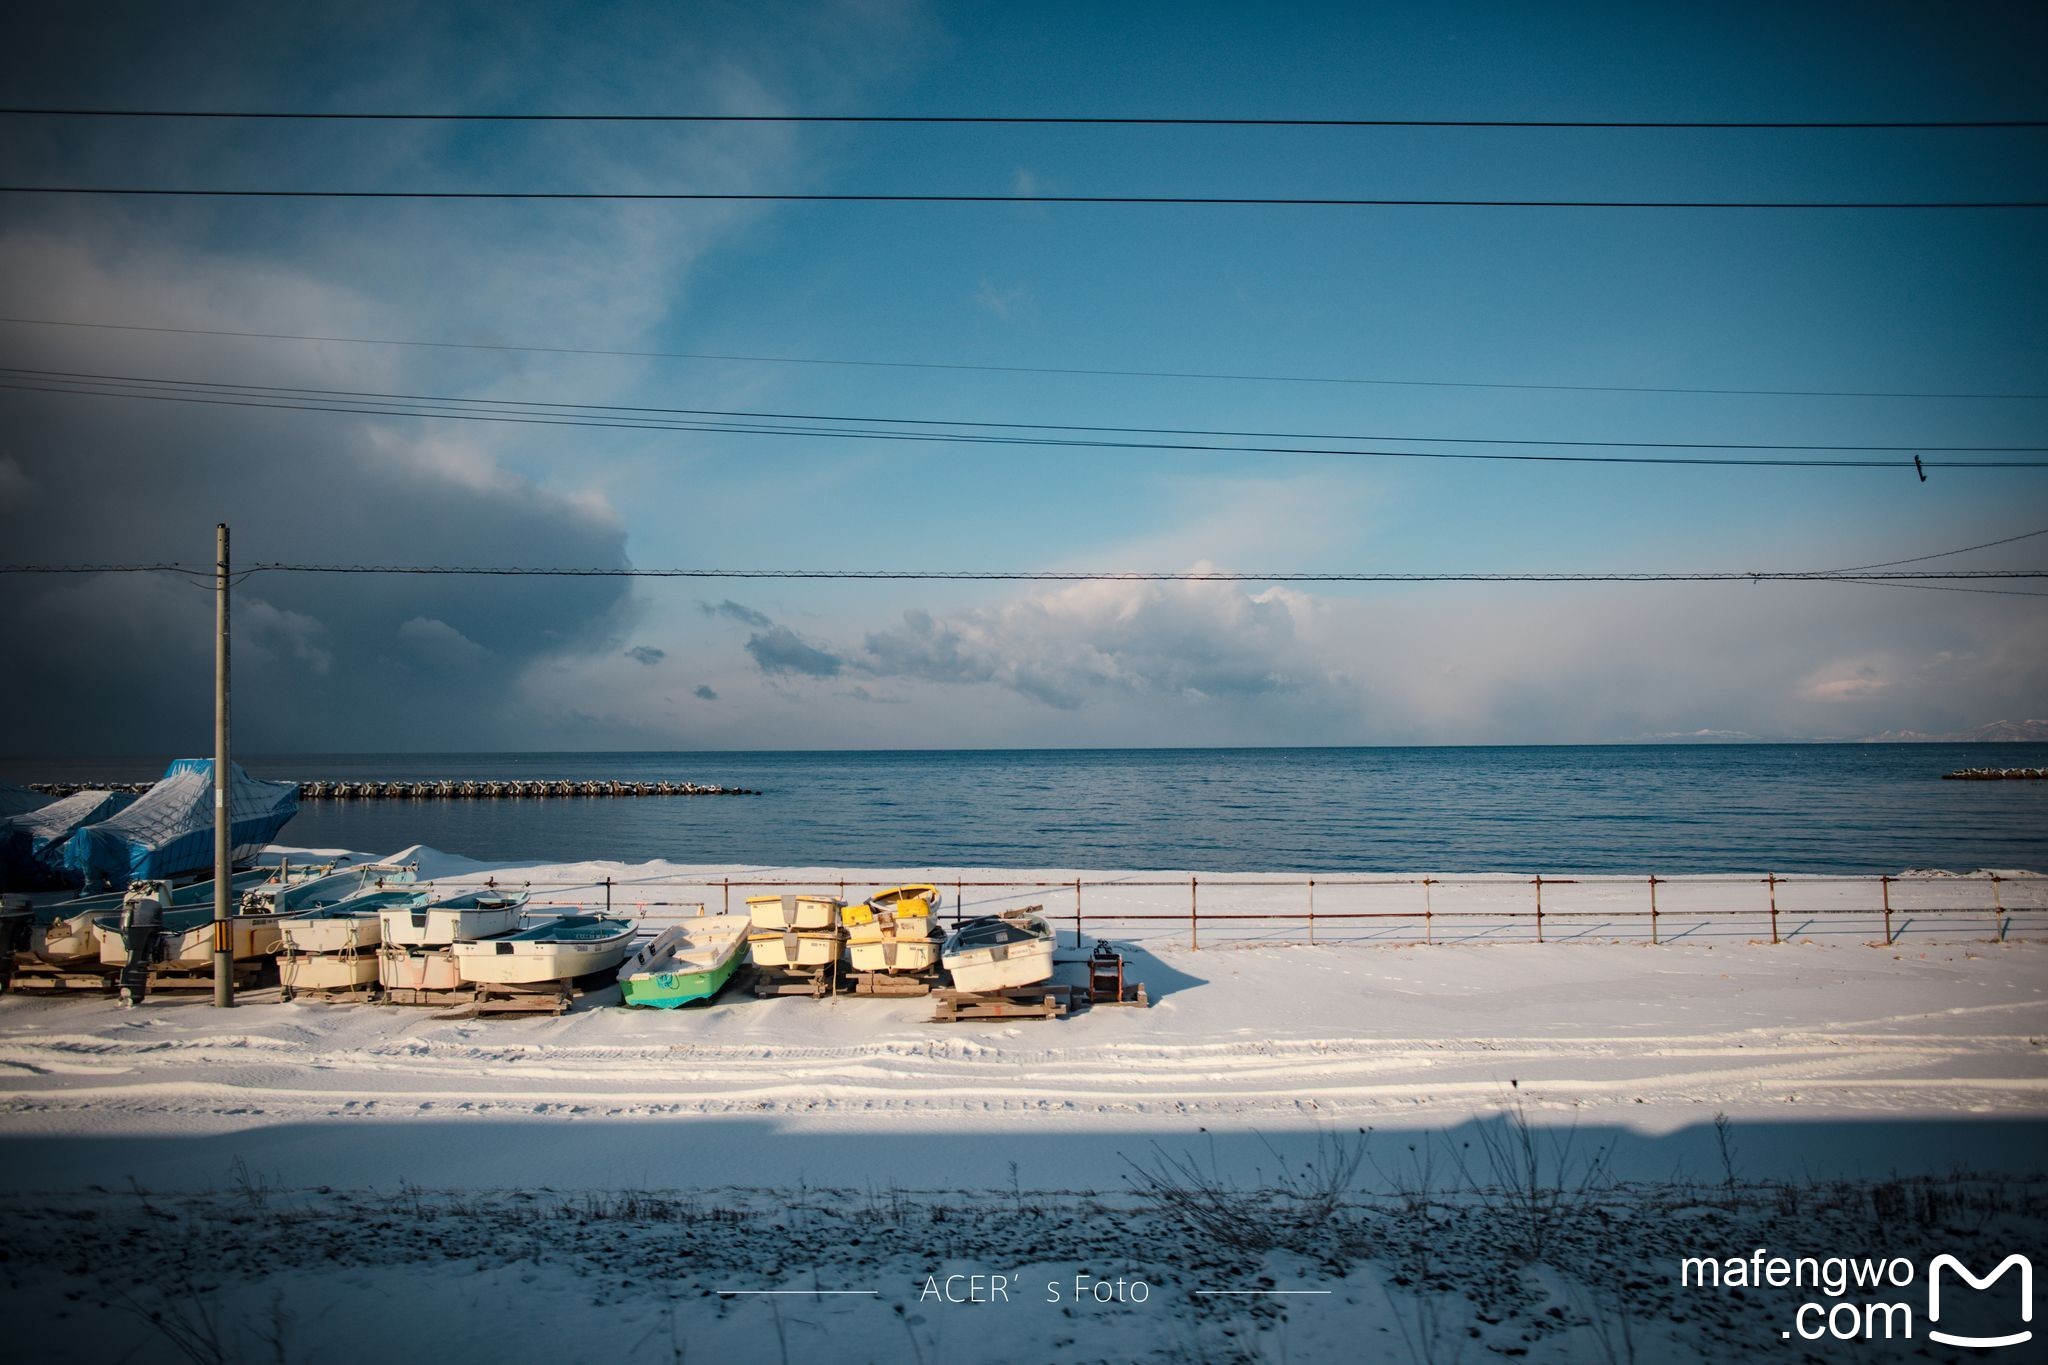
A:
(1668, 809)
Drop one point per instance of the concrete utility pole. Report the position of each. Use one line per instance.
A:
(223, 787)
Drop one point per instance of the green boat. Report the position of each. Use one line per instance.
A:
(686, 962)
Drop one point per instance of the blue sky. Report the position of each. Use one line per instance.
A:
(1855, 301)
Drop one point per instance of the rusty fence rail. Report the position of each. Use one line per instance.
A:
(1633, 909)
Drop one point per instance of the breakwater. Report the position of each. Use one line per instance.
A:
(446, 789)
(1994, 774)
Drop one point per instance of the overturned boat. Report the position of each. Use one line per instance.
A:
(893, 931)
(997, 952)
(794, 933)
(685, 962)
(559, 949)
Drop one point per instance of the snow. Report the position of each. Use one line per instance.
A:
(585, 1184)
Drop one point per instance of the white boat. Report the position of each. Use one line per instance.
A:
(555, 950)
(295, 897)
(789, 948)
(684, 962)
(805, 914)
(997, 952)
(898, 954)
(62, 934)
(455, 919)
(350, 926)
(401, 968)
(325, 971)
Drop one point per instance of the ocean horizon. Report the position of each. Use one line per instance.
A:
(1671, 808)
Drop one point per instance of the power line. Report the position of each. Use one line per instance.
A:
(962, 438)
(1021, 120)
(1210, 376)
(1051, 576)
(608, 410)
(1944, 554)
(1144, 200)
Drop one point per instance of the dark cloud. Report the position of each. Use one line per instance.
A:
(705, 692)
(646, 654)
(780, 650)
(734, 611)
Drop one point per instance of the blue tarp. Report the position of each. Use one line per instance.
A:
(169, 831)
(32, 844)
(18, 800)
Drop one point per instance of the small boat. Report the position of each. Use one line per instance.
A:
(62, 935)
(400, 968)
(997, 952)
(325, 971)
(898, 902)
(685, 962)
(455, 919)
(558, 949)
(894, 931)
(789, 949)
(804, 914)
(312, 893)
(352, 925)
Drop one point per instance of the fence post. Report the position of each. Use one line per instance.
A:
(1884, 885)
(1539, 907)
(1077, 914)
(1653, 908)
(1428, 912)
(1997, 909)
(607, 895)
(959, 899)
(1194, 919)
(1311, 912)
(726, 882)
(1771, 880)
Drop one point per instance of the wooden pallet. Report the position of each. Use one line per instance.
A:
(1046, 1001)
(41, 976)
(1132, 995)
(246, 974)
(892, 983)
(368, 994)
(817, 983)
(416, 995)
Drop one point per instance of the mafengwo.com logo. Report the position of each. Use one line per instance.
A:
(1860, 1298)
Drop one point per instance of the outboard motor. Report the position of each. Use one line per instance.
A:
(142, 925)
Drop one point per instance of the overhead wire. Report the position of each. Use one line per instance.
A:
(605, 410)
(1206, 375)
(1142, 200)
(1943, 554)
(1140, 120)
(281, 402)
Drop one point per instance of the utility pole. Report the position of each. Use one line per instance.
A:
(223, 787)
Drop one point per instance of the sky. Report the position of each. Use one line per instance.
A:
(1468, 301)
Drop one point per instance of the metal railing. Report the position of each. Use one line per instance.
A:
(1332, 909)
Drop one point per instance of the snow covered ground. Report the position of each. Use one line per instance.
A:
(1343, 1117)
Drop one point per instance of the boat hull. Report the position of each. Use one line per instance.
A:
(893, 954)
(804, 914)
(330, 934)
(1023, 964)
(252, 936)
(439, 926)
(672, 990)
(511, 962)
(793, 949)
(417, 969)
(327, 971)
(71, 942)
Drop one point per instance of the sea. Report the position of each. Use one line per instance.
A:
(1634, 809)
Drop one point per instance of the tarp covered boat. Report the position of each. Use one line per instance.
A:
(32, 843)
(17, 800)
(62, 934)
(169, 830)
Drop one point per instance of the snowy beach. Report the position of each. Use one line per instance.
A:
(804, 1144)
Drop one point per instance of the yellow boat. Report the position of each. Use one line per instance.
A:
(896, 902)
